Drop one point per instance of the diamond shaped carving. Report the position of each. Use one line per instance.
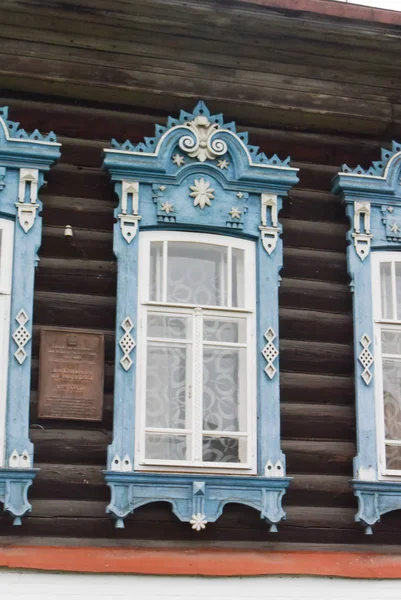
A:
(366, 359)
(127, 344)
(270, 353)
(21, 336)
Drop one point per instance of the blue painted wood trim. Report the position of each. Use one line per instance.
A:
(159, 172)
(372, 200)
(192, 495)
(23, 160)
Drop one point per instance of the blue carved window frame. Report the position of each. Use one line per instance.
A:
(24, 158)
(372, 199)
(153, 181)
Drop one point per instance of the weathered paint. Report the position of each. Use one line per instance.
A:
(201, 562)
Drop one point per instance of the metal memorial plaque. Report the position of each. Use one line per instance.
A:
(71, 374)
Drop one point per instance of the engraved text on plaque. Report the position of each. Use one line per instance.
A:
(71, 374)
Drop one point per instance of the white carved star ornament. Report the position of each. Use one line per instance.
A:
(235, 213)
(178, 160)
(167, 207)
(223, 164)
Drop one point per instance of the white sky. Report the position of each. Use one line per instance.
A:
(390, 4)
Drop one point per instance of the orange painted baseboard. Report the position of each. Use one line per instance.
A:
(212, 563)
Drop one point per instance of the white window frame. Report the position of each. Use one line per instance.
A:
(249, 312)
(380, 324)
(6, 266)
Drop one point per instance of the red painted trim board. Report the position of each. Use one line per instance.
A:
(204, 562)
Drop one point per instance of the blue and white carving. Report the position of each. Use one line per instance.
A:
(373, 205)
(270, 353)
(24, 159)
(199, 174)
(127, 344)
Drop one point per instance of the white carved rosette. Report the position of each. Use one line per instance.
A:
(198, 522)
(202, 193)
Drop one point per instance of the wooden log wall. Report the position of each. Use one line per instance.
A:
(319, 90)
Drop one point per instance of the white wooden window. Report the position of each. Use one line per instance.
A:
(196, 369)
(6, 259)
(386, 289)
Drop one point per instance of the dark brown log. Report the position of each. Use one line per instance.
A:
(316, 357)
(317, 421)
(314, 264)
(317, 295)
(320, 388)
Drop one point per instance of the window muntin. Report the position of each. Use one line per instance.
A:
(197, 378)
(6, 259)
(387, 318)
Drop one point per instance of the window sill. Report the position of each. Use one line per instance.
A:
(14, 484)
(197, 499)
(375, 498)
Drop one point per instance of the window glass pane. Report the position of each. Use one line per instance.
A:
(224, 330)
(223, 370)
(221, 449)
(156, 271)
(238, 279)
(393, 457)
(166, 326)
(398, 288)
(386, 295)
(391, 342)
(392, 398)
(166, 386)
(197, 274)
(166, 446)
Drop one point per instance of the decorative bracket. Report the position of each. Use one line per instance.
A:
(14, 484)
(198, 520)
(129, 221)
(362, 239)
(269, 234)
(27, 210)
(375, 498)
